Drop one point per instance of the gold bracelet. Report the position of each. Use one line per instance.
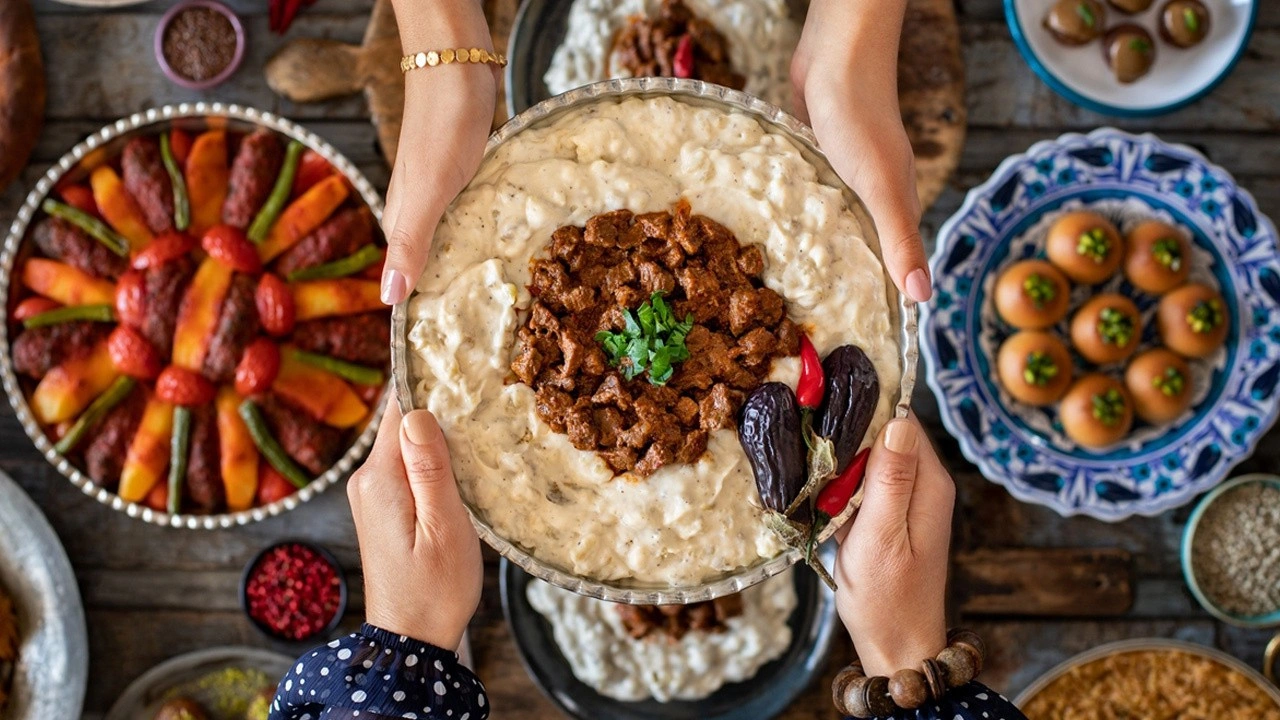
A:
(447, 56)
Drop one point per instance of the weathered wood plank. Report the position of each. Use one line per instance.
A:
(1043, 582)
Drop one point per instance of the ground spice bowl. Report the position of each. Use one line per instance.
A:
(236, 58)
(1271, 619)
(324, 555)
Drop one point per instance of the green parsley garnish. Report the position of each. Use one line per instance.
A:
(1168, 253)
(1191, 19)
(1115, 327)
(1108, 407)
(1086, 14)
(1094, 244)
(1140, 45)
(1170, 383)
(1040, 289)
(1040, 369)
(652, 341)
(1205, 316)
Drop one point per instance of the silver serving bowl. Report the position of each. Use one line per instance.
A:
(1158, 644)
(729, 101)
(190, 116)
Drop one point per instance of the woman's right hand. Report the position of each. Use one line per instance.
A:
(448, 111)
(892, 564)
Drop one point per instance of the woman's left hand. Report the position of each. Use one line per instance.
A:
(421, 556)
(845, 74)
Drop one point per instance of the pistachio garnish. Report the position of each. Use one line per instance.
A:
(1168, 253)
(1206, 316)
(1094, 244)
(1115, 327)
(1170, 383)
(1040, 289)
(1108, 407)
(1190, 18)
(1040, 369)
(1086, 14)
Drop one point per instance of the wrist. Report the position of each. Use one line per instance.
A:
(438, 630)
(902, 653)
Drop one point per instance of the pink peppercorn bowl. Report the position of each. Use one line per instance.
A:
(325, 556)
(231, 67)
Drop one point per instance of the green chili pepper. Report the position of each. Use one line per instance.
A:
(270, 447)
(96, 229)
(1108, 407)
(181, 203)
(1040, 369)
(1170, 383)
(178, 452)
(1205, 316)
(98, 409)
(71, 313)
(349, 265)
(274, 205)
(347, 371)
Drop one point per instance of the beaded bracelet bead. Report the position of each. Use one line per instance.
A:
(866, 697)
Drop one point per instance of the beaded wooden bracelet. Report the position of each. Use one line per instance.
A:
(866, 697)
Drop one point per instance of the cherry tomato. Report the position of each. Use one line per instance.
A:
(131, 298)
(180, 145)
(258, 367)
(180, 386)
(80, 198)
(275, 305)
(133, 354)
(169, 246)
(229, 246)
(33, 306)
(272, 486)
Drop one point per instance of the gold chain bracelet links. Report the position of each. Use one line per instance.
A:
(448, 56)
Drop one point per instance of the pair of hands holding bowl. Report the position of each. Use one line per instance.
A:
(413, 529)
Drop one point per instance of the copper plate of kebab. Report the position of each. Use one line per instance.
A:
(194, 335)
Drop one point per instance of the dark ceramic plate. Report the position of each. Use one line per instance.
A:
(538, 30)
(764, 696)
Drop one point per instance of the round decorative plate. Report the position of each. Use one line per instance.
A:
(193, 117)
(1179, 76)
(1128, 178)
(764, 696)
(53, 646)
(182, 676)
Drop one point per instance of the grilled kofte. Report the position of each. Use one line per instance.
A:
(198, 319)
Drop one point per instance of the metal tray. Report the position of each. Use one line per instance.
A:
(193, 116)
(181, 675)
(53, 646)
(702, 94)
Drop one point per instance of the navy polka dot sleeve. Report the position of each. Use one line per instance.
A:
(376, 674)
(967, 702)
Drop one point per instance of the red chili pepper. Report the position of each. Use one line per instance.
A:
(809, 389)
(833, 498)
(287, 13)
(682, 63)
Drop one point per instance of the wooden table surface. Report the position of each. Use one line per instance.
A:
(151, 593)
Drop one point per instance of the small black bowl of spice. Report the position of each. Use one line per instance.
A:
(1231, 551)
(199, 43)
(294, 591)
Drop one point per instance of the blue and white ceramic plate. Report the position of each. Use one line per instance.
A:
(1127, 178)
(1179, 76)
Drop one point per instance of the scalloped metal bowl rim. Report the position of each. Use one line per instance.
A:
(706, 94)
(17, 232)
(984, 463)
(1265, 620)
(1139, 645)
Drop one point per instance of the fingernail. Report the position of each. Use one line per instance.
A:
(900, 437)
(395, 287)
(419, 427)
(918, 286)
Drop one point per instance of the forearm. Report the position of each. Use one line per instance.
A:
(860, 36)
(437, 24)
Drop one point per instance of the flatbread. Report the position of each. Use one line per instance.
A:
(22, 90)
